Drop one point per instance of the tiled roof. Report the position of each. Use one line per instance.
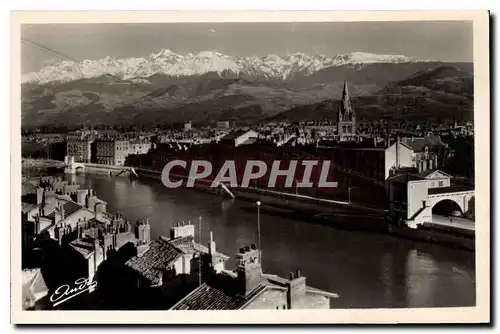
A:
(69, 209)
(124, 238)
(430, 171)
(83, 246)
(216, 297)
(418, 144)
(187, 245)
(28, 188)
(34, 287)
(152, 262)
(27, 207)
(235, 134)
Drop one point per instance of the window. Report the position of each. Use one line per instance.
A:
(440, 183)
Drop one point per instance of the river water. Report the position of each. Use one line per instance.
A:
(366, 270)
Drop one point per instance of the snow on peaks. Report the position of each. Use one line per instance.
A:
(163, 53)
(173, 64)
(369, 58)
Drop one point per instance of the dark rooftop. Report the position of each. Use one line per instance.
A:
(84, 246)
(27, 207)
(216, 295)
(28, 188)
(418, 144)
(157, 258)
(69, 209)
(234, 134)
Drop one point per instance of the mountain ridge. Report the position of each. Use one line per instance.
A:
(173, 64)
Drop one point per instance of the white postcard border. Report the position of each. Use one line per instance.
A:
(479, 313)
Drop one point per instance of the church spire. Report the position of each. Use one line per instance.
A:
(345, 93)
(346, 101)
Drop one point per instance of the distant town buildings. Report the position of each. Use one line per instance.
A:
(240, 137)
(223, 125)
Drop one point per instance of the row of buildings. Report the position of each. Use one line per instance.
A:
(76, 237)
(87, 148)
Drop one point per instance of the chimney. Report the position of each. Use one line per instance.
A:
(97, 252)
(211, 244)
(39, 195)
(58, 214)
(61, 209)
(296, 288)
(397, 152)
(81, 194)
(181, 230)
(50, 202)
(249, 270)
(59, 233)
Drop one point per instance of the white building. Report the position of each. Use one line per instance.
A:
(240, 137)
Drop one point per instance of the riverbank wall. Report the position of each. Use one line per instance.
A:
(337, 214)
(110, 170)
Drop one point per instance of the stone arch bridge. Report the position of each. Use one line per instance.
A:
(71, 165)
(464, 199)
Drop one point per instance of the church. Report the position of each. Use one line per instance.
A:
(346, 118)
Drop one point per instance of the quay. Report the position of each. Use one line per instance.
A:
(338, 214)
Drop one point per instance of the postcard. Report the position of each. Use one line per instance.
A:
(256, 167)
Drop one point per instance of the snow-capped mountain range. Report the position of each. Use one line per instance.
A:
(173, 64)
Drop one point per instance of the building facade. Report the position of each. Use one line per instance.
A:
(112, 151)
(139, 146)
(79, 148)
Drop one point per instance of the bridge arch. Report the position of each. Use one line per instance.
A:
(72, 166)
(446, 207)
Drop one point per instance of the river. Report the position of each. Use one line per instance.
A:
(366, 270)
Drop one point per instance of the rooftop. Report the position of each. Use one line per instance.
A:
(160, 255)
(28, 188)
(235, 134)
(220, 292)
(84, 246)
(187, 245)
(418, 144)
(428, 172)
(69, 207)
(27, 207)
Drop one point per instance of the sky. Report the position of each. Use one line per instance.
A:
(425, 40)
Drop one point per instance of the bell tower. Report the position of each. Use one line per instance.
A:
(346, 118)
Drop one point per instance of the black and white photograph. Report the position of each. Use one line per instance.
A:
(224, 166)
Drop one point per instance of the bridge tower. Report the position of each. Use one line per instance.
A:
(71, 165)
